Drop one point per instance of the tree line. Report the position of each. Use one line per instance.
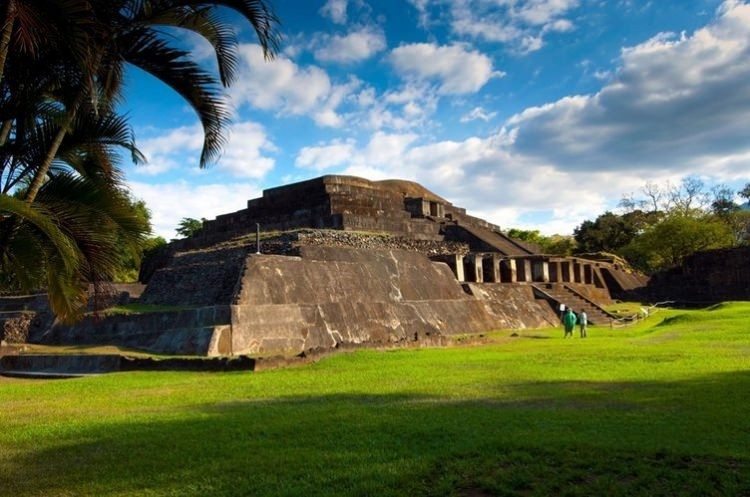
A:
(659, 226)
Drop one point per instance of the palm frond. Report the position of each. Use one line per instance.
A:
(202, 91)
(258, 13)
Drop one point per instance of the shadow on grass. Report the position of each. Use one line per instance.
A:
(542, 438)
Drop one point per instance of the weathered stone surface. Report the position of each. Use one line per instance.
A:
(201, 331)
(514, 306)
(333, 296)
(197, 278)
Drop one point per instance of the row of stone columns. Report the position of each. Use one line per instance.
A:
(495, 268)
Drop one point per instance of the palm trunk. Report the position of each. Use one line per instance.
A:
(10, 18)
(5, 131)
(41, 172)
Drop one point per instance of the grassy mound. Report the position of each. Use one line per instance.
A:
(656, 409)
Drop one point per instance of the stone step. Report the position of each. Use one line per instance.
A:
(595, 314)
(78, 365)
(58, 365)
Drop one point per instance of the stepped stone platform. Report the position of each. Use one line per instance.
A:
(360, 263)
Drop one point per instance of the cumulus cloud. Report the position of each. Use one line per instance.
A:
(280, 85)
(243, 155)
(456, 69)
(322, 157)
(289, 89)
(675, 102)
(170, 202)
(382, 151)
(356, 46)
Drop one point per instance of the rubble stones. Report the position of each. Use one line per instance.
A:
(16, 329)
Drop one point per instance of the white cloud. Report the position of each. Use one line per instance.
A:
(477, 113)
(455, 68)
(280, 84)
(242, 155)
(337, 153)
(355, 46)
(381, 151)
(674, 103)
(542, 12)
(520, 24)
(171, 202)
(287, 88)
(161, 151)
(335, 10)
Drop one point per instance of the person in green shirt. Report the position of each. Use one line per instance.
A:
(569, 321)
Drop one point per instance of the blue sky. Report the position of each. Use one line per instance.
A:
(530, 113)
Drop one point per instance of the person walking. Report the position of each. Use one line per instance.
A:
(583, 321)
(569, 320)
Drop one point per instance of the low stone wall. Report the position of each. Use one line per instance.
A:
(203, 331)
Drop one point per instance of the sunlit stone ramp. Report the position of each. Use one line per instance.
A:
(337, 296)
(322, 299)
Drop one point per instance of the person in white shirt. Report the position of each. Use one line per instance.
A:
(583, 322)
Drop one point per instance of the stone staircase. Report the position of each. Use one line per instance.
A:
(563, 294)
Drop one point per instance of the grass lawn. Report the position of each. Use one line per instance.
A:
(662, 408)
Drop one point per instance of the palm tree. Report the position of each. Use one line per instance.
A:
(73, 232)
(62, 206)
(128, 31)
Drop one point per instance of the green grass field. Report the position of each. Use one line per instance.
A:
(662, 408)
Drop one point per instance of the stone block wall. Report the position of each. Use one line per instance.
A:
(514, 306)
(203, 331)
(710, 276)
(198, 278)
(335, 296)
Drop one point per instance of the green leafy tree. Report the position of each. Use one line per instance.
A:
(667, 243)
(129, 259)
(189, 226)
(745, 192)
(86, 48)
(553, 245)
(607, 233)
(560, 245)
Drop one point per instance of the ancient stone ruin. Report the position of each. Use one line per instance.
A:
(703, 278)
(346, 262)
